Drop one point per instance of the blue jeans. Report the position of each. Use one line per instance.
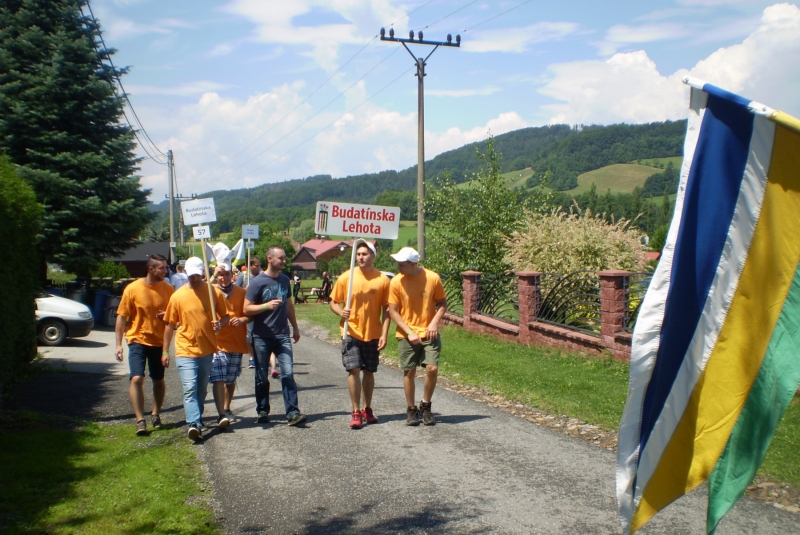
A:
(282, 347)
(194, 376)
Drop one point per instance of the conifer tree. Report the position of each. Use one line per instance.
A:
(61, 121)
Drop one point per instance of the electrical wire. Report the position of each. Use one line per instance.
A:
(449, 15)
(122, 88)
(498, 15)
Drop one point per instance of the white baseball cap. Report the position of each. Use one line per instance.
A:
(362, 241)
(406, 254)
(194, 266)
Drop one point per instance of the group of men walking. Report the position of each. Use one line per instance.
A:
(215, 324)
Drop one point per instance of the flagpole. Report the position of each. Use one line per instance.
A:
(208, 282)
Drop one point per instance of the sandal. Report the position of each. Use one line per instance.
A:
(141, 427)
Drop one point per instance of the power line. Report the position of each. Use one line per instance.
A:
(450, 14)
(115, 74)
(498, 15)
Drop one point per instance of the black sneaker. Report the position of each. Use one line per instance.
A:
(223, 422)
(141, 428)
(427, 417)
(297, 419)
(412, 416)
(194, 432)
(263, 418)
(155, 421)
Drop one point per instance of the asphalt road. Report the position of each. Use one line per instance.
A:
(479, 470)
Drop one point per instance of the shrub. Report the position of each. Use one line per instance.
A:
(115, 270)
(21, 217)
(564, 242)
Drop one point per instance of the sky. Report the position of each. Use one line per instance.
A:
(247, 92)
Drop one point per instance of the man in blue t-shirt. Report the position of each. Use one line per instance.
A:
(269, 303)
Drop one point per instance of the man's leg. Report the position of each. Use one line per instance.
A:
(203, 376)
(136, 392)
(408, 385)
(188, 370)
(229, 390)
(159, 392)
(219, 372)
(354, 386)
(261, 352)
(431, 376)
(368, 385)
(282, 347)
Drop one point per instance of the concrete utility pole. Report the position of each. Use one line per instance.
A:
(172, 200)
(420, 63)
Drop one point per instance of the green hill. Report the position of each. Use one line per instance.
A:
(619, 178)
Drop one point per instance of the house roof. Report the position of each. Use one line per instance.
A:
(652, 255)
(319, 247)
(140, 251)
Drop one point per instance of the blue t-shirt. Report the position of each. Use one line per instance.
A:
(262, 289)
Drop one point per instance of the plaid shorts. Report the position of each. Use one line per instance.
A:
(226, 367)
(358, 355)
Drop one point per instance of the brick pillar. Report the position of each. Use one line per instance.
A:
(471, 294)
(612, 304)
(530, 298)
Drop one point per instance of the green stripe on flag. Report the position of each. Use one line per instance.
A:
(774, 387)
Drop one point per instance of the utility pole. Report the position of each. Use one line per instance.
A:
(172, 200)
(420, 63)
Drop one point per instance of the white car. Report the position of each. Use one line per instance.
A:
(58, 318)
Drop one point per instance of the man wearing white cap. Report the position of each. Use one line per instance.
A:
(367, 320)
(416, 304)
(191, 310)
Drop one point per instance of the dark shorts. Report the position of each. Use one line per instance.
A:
(358, 355)
(139, 354)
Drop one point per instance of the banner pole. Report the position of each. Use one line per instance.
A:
(247, 267)
(208, 283)
(350, 286)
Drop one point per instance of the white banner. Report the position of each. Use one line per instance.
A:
(250, 232)
(198, 211)
(202, 232)
(357, 220)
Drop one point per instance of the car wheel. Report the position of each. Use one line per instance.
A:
(52, 332)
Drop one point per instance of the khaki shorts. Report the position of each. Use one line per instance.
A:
(424, 354)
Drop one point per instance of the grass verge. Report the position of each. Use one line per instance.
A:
(592, 389)
(61, 477)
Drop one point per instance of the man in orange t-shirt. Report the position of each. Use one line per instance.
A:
(142, 309)
(190, 310)
(226, 365)
(416, 304)
(367, 322)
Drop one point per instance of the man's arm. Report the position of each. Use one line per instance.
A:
(292, 319)
(433, 329)
(394, 313)
(119, 331)
(169, 331)
(385, 320)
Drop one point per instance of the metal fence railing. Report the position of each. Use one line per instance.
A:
(499, 296)
(571, 300)
(635, 286)
(454, 291)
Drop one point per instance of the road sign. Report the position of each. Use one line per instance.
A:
(357, 220)
(202, 232)
(251, 245)
(250, 232)
(198, 211)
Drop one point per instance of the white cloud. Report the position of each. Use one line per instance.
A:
(628, 87)
(622, 34)
(518, 39)
(461, 92)
(182, 90)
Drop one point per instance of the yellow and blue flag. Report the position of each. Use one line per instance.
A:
(715, 357)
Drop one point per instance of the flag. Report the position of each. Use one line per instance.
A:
(714, 358)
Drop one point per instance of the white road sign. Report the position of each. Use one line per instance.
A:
(357, 220)
(198, 211)
(202, 232)
(250, 232)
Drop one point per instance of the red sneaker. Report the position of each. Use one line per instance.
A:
(368, 417)
(355, 420)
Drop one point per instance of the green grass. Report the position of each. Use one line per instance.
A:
(408, 231)
(98, 479)
(620, 178)
(592, 389)
(517, 178)
(654, 162)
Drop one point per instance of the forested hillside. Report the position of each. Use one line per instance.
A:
(559, 152)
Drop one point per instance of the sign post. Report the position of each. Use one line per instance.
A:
(197, 212)
(357, 221)
(249, 232)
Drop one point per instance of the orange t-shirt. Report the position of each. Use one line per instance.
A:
(140, 303)
(192, 310)
(370, 295)
(234, 339)
(416, 298)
